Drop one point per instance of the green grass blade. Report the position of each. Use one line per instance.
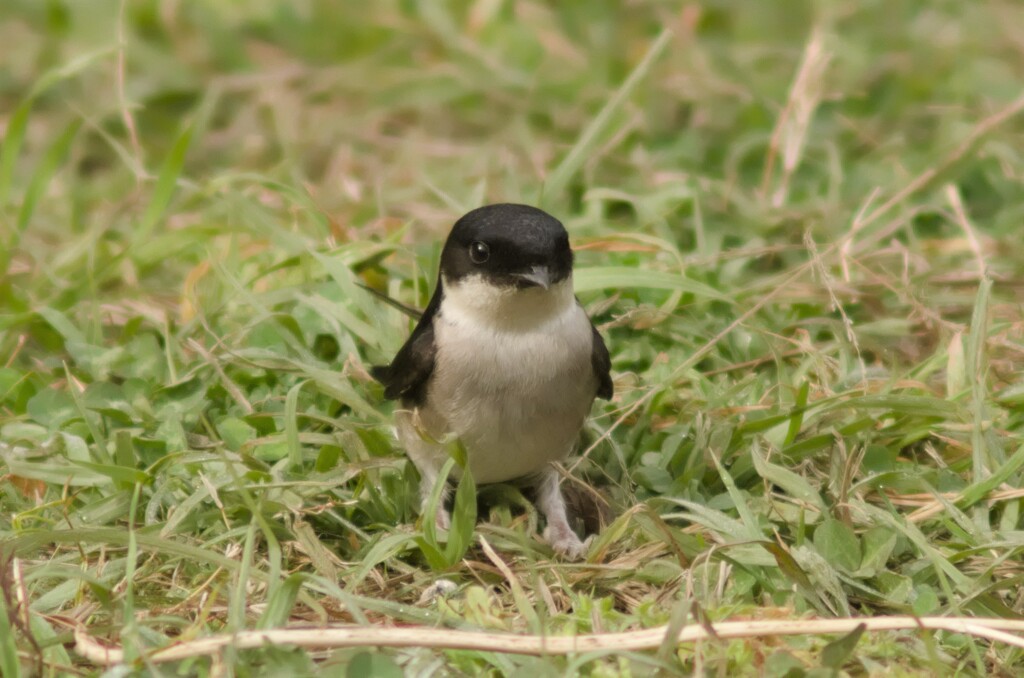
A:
(607, 277)
(434, 502)
(273, 557)
(795, 485)
(14, 137)
(166, 182)
(911, 405)
(796, 421)
(598, 128)
(240, 594)
(752, 530)
(281, 602)
(980, 489)
(460, 536)
(51, 162)
(10, 665)
(48, 166)
(14, 134)
(981, 463)
(291, 425)
(130, 564)
(29, 543)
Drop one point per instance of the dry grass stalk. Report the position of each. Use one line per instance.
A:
(999, 630)
(794, 122)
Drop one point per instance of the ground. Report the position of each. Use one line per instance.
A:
(797, 225)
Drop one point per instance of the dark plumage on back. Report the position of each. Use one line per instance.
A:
(407, 375)
(602, 365)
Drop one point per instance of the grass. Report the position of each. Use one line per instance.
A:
(797, 226)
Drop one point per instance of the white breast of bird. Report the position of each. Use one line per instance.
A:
(513, 376)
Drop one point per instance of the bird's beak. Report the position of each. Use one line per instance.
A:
(537, 276)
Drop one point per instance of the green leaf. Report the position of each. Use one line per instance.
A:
(460, 536)
(373, 665)
(50, 163)
(235, 433)
(291, 425)
(982, 457)
(117, 473)
(939, 562)
(838, 544)
(9, 662)
(354, 295)
(784, 664)
(433, 553)
(836, 653)
(980, 489)
(829, 595)
(339, 388)
(165, 185)
(714, 520)
(57, 474)
(12, 383)
(321, 558)
(926, 600)
(606, 277)
(796, 421)
(386, 547)
(27, 544)
(50, 640)
(327, 458)
(17, 123)
(91, 421)
(793, 571)
(124, 450)
(795, 485)
(752, 529)
(272, 451)
(896, 587)
(914, 405)
(879, 543)
(14, 137)
(51, 408)
(237, 598)
(434, 503)
(281, 602)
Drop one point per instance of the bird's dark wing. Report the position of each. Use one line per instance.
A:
(407, 375)
(602, 365)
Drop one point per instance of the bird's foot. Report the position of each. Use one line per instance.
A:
(565, 542)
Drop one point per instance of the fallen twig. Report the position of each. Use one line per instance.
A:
(1000, 630)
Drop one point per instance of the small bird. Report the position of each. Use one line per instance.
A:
(504, 358)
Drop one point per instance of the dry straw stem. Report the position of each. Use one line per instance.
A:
(929, 507)
(794, 122)
(1001, 630)
(953, 195)
(864, 218)
(929, 175)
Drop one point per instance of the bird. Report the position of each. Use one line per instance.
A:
(504, 359)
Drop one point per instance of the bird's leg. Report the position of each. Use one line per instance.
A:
(429, 477)
(557, 533)
(429, 458)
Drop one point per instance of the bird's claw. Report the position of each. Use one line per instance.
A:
(566, 544)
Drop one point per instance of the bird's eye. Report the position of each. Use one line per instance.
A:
(479, 252)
